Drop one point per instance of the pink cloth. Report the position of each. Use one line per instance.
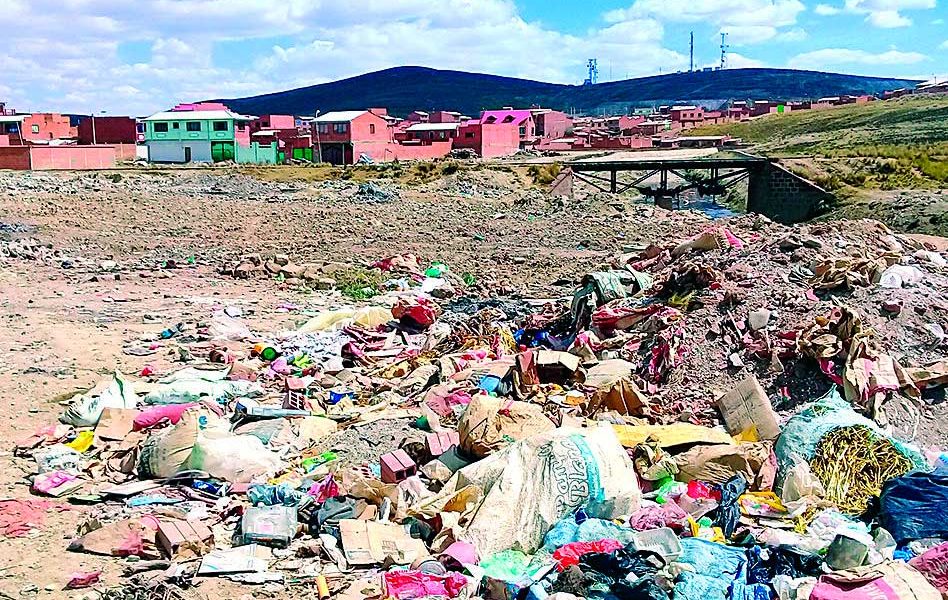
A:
(19, 517)
(324, 490)
(663, 515)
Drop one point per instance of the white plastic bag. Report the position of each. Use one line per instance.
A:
(86, 409)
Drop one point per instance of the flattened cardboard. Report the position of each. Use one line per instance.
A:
(115, 424)
(371, 542)
(748, 405)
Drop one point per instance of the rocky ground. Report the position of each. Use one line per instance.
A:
(133, 253)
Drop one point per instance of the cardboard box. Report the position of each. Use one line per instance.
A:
(397, 466)
(440, 442)
(184, 539)
(746, 406)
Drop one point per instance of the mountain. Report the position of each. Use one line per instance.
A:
(403, 89)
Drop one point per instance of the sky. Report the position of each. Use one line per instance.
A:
(142, 56)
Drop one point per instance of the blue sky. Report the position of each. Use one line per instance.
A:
(138, 57)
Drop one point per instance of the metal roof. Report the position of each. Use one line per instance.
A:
(197, 115)
(339, 116)
(12, 118)
(433, 127)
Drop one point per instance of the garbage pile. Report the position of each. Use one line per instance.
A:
(553, 452)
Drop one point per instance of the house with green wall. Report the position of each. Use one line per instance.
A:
(205, 132)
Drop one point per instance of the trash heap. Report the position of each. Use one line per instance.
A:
(552, 448)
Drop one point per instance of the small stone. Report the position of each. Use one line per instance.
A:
(108, 265)
(519, 260)
(813, 243)
(281, 259)
(325, 283)
(893, 307)
(735, 360)
(294, 271)
(243, 270)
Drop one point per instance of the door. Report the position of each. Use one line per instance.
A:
(187, 154)
(221, 151)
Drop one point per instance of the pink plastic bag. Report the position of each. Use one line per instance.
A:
(934, 566)
(407, 585)
(568, 554)
(157, 414)
(324, 490)
(420, 311)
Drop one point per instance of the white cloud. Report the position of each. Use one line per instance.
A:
(826, 10)
(943, 45)
(830, 58)
(738, 61)
(887, 14)
(888, 19)
(68, 59)
(792, 35)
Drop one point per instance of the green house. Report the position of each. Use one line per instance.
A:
(203, 135)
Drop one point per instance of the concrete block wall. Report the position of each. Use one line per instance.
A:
(777, 193)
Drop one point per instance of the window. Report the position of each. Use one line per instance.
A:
(176, 125)
(194, 126)
(323, 128)
(523, 130)
(220, 125)
(36, 128)
(160, 127)
(371, 127)
(340, 127)
(469, 135)
(441, 134)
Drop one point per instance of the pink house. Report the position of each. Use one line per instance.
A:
(521, 119)
(551, 124)
(489, 140)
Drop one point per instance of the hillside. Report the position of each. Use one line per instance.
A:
(403, 89)
(908, 122)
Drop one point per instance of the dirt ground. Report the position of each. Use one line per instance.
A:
(65, 320)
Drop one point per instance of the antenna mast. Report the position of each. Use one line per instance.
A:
(691, 62)
(593, 68)
(724, 48)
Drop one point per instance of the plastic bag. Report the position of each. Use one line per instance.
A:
(419, 311)
(619, 563)
(713, 569)
(728, 512)
(234, 458)
(534, 483)
(567, 531)
(934, 566)
(86, 409)
(570, 554)
(915, 506)
(891, 580)
(181, 391)
(407, 585)
(803, 432)
(224, 327)
(488, 424)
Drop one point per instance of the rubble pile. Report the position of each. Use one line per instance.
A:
(720, 416)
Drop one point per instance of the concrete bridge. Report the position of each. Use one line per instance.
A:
(772, 190)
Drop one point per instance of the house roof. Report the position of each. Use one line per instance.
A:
(197, 115)
(12, 118)
(433, 127)
(339, 116)
(508, 116)
(684, 107)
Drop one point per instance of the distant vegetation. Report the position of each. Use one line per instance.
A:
(404, 89)
(885, 145)
(885, 125)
